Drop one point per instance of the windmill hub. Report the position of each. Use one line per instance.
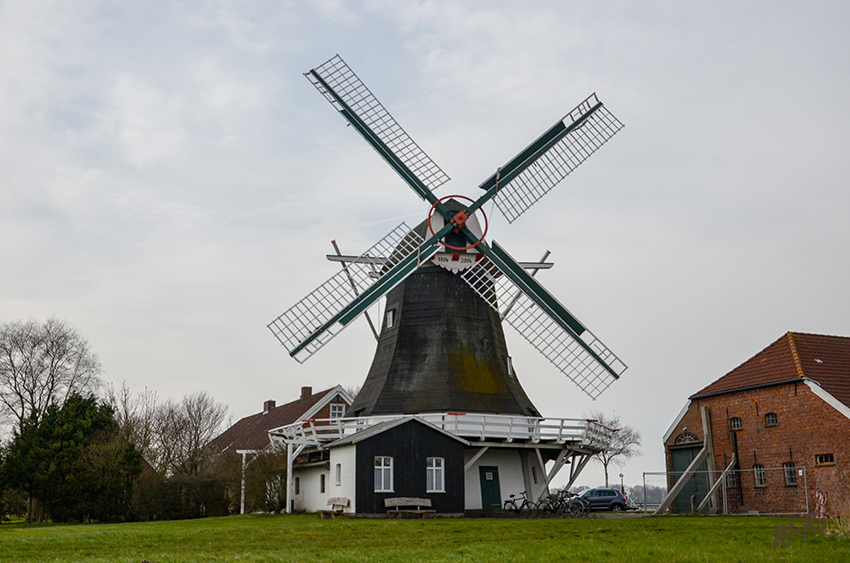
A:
(456, 254)
(459, 220)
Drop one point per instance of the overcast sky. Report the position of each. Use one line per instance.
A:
(170, 182)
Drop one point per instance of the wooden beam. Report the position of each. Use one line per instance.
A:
(576, 469)
(708, 441)
(475, 458)
(683, 480)
(717, 483)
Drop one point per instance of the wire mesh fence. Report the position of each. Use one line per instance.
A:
(761, 490)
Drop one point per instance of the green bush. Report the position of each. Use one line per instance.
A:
(180, 497)
(12, 503)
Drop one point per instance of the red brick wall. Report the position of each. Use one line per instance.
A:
(325, 412)
(806, 426)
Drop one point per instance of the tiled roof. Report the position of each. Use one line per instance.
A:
(250, 432)
(824, 359)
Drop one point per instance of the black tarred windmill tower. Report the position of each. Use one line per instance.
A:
(441, 347)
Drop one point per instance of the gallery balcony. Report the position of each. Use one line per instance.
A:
(569, 432)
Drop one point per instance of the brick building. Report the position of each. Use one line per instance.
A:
(248, 439)
(787, 407)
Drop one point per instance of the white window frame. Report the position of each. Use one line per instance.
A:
(338, 474)
(760, 476)
(736, 423)
(771, 419)
(337, 410)
(383, 474)
(732, 479)
(435, 476)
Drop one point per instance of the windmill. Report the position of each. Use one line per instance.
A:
(406, 374)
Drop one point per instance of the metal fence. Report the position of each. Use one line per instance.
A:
(768, 491)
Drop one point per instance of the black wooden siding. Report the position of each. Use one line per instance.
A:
(409, 445)
(446, 352)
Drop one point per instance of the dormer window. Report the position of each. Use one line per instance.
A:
(337, 410)
(390, 322)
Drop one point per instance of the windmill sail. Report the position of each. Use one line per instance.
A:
(498, 278)
(306, 326)
(548, 160)
(544, 322)
(343, 89)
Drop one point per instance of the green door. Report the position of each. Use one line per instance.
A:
(491, 496)
(697, 486)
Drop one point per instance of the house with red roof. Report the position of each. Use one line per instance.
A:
(248, 439)
(779, 423)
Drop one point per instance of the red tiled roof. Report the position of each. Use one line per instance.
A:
(824, 359)
(250, 432)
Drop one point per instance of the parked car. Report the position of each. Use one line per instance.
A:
(605, 499)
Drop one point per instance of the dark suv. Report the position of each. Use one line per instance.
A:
(604, 499)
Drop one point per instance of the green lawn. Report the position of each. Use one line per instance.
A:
(310, 539)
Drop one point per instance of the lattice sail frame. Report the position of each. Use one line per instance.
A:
(339, 76)
(557, 344)
(311, 313)
(549, 169)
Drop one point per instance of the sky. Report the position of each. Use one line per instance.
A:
(170, 182)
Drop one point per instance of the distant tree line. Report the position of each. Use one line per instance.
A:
(75, 450)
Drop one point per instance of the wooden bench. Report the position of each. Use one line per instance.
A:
(409, 505)
(338, 506)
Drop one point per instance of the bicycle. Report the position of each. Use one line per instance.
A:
(520, 506)
(566, 504)
(578, 506)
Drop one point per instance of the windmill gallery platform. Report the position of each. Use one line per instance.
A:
(441, 424)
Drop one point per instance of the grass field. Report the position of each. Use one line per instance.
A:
(307, 538)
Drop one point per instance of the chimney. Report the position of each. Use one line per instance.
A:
(268, 405)
(306, 392)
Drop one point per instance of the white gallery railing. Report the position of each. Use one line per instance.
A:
(470, 426)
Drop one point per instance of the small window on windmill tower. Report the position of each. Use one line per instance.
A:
(390, 318)
(510, 363)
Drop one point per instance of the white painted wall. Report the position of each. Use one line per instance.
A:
(515, 475)
(345, 456)
(310, 499)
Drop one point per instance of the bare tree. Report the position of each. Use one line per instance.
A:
(625, 442)
(172, 436)
(137, 417)
(42, 365)
(184, 432)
